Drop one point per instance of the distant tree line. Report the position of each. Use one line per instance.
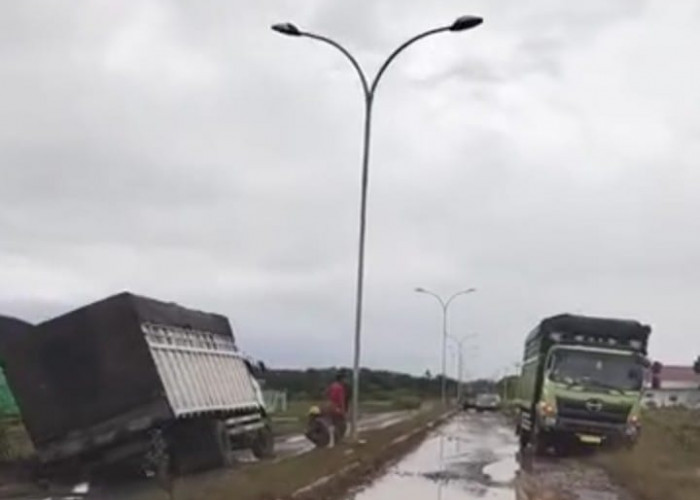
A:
(312, 383)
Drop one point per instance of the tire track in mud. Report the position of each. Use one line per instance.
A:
(570, 478)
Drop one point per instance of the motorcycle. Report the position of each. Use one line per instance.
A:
(325, 428)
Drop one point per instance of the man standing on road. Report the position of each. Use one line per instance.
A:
(337, 397)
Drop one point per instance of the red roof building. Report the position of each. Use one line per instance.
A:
(676, 377)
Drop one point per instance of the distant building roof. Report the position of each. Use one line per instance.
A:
(674, 375)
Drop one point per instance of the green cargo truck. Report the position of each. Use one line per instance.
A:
(581, 381)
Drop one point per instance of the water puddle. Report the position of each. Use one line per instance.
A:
(471, 458)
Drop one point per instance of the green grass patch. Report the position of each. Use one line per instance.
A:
(666, 461)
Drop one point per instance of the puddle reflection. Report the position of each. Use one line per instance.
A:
(470, 458)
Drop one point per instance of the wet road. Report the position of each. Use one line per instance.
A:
(297, 444)
(476, 456)
(285, 447)
(471, 457)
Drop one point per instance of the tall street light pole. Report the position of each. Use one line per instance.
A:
(460, 360)
(369, 89)
(445, 304)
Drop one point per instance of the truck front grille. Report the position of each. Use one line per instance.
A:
(593, 410)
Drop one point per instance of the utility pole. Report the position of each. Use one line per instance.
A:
(444, 304)
(369, 89)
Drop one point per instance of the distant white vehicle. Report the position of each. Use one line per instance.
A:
(487, 402)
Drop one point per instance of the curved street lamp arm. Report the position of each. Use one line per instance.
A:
(400, 49)
(437, 297)
(348, 55)
(463, 292)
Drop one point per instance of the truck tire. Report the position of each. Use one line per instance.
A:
(263, 444)
(200, 444)
(523, 438)
(539, 441)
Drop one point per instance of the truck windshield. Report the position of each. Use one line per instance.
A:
(596, 369)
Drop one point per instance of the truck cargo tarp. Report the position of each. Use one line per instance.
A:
(93, 364)
(585, 325)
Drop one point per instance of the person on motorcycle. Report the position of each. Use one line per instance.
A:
(316, 429)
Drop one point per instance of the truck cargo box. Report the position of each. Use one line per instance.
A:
(122, 365)
(589, 330)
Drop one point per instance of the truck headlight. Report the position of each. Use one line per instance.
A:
(548, 414)
(633, 426)
(547, 410)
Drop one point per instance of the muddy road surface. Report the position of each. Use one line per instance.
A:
(286, 447)
(296, 444)
(471, 457)
(476, 457)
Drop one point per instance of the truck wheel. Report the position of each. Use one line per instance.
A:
(263, 445)
(157, 461)
(523, 438)
(540, 442)
(200, 444)
(224, 444)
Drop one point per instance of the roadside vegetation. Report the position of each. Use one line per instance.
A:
(666, 461)
(382, 391)
(377, 385)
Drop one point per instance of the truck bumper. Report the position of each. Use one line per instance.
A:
(591, 432)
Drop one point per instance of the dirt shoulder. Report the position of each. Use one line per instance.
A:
(319, 474)
(665, 464)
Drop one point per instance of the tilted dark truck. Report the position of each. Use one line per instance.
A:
(132, 379)
(581, 381)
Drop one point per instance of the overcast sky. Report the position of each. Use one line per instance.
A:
(184, 151)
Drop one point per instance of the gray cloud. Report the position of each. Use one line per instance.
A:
(187, 152)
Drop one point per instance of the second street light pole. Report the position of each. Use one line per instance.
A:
(444, 304)
(460, 24)
(460, 361)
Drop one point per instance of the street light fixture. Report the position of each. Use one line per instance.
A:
(444, 304)
(286, 29)
(369, 89)
(466, 22)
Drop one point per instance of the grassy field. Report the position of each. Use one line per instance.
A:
(665, 464)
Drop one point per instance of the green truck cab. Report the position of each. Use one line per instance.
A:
(581, 381)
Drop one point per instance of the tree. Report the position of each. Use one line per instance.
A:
(696, 366)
